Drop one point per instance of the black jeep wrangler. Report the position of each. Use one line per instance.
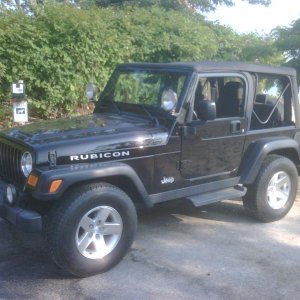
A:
(204, 132)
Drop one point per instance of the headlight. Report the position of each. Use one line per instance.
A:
(26, 163)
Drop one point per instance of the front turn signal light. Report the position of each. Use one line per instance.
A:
(55, 185)
(32, 180)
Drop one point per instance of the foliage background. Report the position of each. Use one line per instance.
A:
(56, 48)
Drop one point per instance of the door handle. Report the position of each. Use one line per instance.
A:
(235, 126)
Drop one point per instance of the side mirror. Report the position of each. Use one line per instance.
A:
(91, 91)
(206, 110)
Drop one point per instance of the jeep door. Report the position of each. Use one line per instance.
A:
(212, 149)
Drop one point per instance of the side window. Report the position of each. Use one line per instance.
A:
(228, 92)
(272, 105)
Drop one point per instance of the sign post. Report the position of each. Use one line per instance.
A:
(20, 106)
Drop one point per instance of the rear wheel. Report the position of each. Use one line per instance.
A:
(274, 191)
(91, 230)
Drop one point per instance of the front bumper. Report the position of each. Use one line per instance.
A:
(24, 220)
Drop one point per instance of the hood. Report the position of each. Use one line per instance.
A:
(54, 131)
(90, 134)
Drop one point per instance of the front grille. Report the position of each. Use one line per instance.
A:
(10, 164)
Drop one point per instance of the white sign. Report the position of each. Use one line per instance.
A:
(20, 112)
(18, 88)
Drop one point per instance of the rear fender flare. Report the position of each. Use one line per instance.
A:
(257, 152)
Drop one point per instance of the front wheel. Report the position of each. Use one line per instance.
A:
(91, 230)
(274, 191)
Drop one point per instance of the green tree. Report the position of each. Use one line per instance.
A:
(58, 48)
(260, 49)
(288, 41)
(203, 5)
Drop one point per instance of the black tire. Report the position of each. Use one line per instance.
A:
(63, 232)
(257, 202)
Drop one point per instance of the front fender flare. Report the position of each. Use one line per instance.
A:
(256, 153)
(76, 174)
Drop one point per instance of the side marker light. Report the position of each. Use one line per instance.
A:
(55, 185)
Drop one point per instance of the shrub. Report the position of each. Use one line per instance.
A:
(57, 48)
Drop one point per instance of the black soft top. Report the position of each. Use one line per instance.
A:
(212, 66)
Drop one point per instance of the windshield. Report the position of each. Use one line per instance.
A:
(128, 89)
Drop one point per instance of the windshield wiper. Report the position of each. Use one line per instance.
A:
(116, 106)
(113, 103)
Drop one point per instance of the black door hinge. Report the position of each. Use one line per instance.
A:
(52, 158)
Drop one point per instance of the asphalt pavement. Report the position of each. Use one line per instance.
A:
(180, 252)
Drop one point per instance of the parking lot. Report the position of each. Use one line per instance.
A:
(180, 252)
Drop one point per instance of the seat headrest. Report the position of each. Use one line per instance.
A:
(261, 98)
(234, 89)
